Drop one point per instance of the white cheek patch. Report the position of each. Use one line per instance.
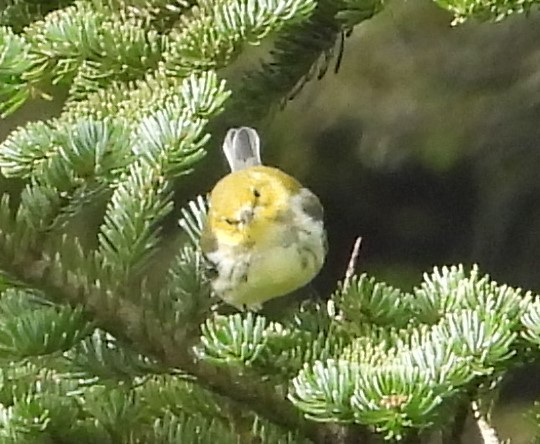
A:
(245, 214)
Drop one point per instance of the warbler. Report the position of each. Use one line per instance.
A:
(264, 234)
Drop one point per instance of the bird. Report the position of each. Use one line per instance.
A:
(264, 234)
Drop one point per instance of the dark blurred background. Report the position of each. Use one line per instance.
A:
(426, 144)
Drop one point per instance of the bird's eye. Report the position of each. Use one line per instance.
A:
(256, 192)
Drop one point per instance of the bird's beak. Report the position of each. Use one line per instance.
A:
(246, 215)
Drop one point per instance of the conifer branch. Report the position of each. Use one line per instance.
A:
(84, 314)
(301, 53)
(492, 10)
(195, 47)
(20, 13)
(14, 63)
(164, 341)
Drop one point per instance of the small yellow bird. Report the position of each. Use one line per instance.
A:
(264, 235)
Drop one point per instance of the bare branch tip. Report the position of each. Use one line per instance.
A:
(486, 430)
(353, 261)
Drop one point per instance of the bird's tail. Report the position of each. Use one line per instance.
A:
(242, 148)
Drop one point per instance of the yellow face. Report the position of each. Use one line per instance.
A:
(244, 204)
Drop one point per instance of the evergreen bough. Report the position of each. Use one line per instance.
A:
(98, 346)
